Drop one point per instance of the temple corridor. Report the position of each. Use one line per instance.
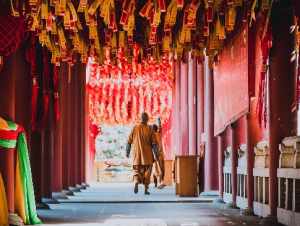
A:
(101, 99)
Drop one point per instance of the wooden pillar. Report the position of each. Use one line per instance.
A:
(211, 165)
(234, 145)
(221, 149)
(281, 81)
(184, 116)
(192, 116)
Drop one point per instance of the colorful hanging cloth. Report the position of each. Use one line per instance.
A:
(14, 137)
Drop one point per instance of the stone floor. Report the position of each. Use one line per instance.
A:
(156, 210)
(123, 192)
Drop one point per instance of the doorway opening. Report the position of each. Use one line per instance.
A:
(111, 163)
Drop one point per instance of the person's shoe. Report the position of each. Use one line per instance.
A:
(155, 182)
(161, 186)
(136, 188)
(146, 190)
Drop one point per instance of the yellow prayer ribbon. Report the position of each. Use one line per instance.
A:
(62, 7)
(44, 10)
(171, 14)
(121, 39)
(230, 17)
(62, 38)
(82, 6)
(220, 29)
(94, 6)
(73, 11)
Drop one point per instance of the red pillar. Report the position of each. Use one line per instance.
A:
(177, 131)
(57, 163)
(200, 104)
(66, 126)
(47, 147)
(75, 122)
(192, 116)
(184, 116)
(200, 120)
(221, 149)
(71, 120)
(281, 92)
(234, 145)
(250, 163)
(84, 123)
(7, 103)
(210, 162)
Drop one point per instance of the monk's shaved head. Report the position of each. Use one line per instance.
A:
(144, 117)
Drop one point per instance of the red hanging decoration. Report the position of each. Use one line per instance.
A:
(121, 99)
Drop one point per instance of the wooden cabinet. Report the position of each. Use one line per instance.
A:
(186, 175)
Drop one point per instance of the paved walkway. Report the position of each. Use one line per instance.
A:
(98, 206)
(123, 192)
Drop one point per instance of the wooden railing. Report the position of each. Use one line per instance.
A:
(227, 196)
(261, 179)
(288, 174)
(242, 178)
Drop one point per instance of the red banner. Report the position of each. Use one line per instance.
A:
(231, 93)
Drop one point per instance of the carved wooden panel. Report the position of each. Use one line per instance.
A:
(242, 156)
(261, 151)
(289, 153)
(227, 156)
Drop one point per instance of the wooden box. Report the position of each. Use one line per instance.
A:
(186, 175)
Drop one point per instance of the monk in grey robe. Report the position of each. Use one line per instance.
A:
(144, 150)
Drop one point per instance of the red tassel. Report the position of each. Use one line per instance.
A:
(146, 9)
(162, 5)
(124, 18)
(180, 3)
(209, 14)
